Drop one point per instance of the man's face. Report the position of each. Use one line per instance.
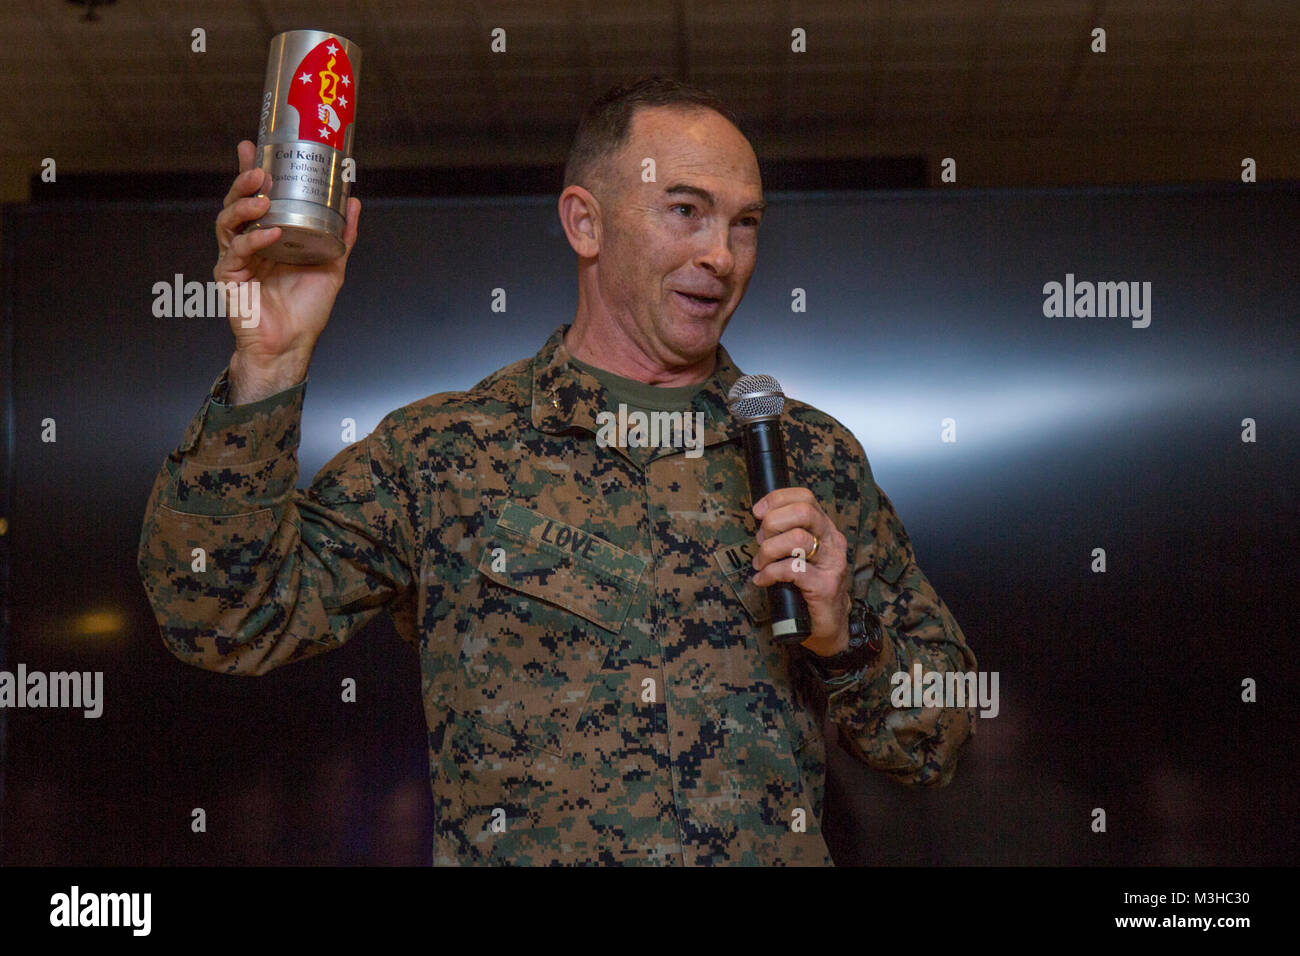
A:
(691, 232)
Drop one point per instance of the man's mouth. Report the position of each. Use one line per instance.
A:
(698, 304)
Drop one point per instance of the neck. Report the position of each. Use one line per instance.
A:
(606, 345)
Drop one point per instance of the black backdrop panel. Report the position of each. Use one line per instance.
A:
(1119, 691)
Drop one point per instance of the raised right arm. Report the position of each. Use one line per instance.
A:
(244, 572)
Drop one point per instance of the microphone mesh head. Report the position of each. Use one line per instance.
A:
(755, 396)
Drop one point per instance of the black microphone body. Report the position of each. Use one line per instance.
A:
(765, 464)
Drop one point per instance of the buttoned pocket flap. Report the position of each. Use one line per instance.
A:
(736, 562)
(563, 565)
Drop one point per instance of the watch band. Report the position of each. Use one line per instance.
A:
(866, 638)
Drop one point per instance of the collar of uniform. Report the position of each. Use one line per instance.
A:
(566, 397)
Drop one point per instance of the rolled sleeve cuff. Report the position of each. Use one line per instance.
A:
(872, 680)
(235, 459)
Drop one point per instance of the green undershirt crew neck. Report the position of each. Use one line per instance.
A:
(639, 396)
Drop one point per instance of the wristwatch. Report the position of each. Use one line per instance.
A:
(866, 638)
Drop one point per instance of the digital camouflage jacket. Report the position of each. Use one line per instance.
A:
(599, 678)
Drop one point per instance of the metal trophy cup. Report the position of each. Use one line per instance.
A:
(304, 141)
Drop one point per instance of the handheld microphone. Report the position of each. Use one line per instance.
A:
(756, 402)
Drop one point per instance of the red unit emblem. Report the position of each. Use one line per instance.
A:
(324, 94)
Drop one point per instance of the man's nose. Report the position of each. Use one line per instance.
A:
(716, 255)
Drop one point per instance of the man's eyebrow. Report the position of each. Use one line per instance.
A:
(708, 197)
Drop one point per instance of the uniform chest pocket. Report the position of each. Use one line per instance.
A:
(551, 600)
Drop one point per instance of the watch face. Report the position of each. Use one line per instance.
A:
(859, 622)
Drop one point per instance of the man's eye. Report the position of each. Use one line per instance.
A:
(683, 205)
(750, 221)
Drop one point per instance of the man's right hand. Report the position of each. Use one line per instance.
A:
(294, 301)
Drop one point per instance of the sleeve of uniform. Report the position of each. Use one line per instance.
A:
(244, 572)
(914, 745)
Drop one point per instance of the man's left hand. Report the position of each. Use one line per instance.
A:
(791, 518)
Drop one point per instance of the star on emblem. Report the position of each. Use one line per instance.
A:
(343, 101)
(306, 77)
(323, 131)
(332, 48)
(347, 80)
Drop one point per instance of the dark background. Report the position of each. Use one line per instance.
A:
(1118, 690)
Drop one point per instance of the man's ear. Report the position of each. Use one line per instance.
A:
(580, 217)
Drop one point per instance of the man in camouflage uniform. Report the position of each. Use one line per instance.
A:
(600, 679)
